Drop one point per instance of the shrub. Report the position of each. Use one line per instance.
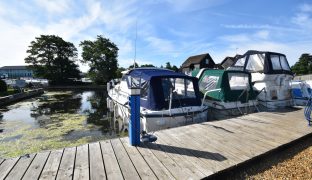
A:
(3, 86)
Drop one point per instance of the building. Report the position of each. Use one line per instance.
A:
(197, 62)
(229, 61)
(15, 71)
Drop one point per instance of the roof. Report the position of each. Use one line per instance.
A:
(237, 56)
(148, 73)
(14, 67)
(195, 59)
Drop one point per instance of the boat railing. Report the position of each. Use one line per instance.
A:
(213, 90)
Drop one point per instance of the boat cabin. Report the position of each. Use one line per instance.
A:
(263, 62)
(226, 85)
(161, 88)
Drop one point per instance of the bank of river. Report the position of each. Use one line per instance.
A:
(55, 120)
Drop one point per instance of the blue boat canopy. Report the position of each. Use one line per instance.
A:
(158, 85)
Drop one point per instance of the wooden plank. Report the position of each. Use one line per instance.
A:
(81, 170)
(125, 164)
(158, 168)
(177, 157)
(211, 150)
(110, 162)
(207, 141)
(141, 166)
(97, 170)
(20, 168)
(50, 169)
(208, 155)
(66, 168)
(235, 139)
(1, 160)
(177, 171)
(186, 154)
(6, 166)
(36, 166)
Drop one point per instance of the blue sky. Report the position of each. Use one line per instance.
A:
(168, 30)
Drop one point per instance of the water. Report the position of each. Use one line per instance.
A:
(57, 119)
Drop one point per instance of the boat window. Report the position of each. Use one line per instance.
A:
(241, 61)
(284, 63)
(276, 65)
(209, 83)
(179, 87)
(238, 81)
(144, 89)
(255, 62)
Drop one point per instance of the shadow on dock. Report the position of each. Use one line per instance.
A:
(185, 151)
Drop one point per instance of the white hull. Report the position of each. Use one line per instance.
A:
(157, 120)
(275, 89)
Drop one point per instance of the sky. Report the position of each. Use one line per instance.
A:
(167, 30)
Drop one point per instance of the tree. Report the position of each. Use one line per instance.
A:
(173, 68)
(101, 56)
(135, 65)
(53, 58)
(119, 72)
(303, 65)
(147, 65)
(168, 65)
(3, 86)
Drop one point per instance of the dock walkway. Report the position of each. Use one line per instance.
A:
(189, 152)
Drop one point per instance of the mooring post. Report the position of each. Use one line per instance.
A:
(134, 124)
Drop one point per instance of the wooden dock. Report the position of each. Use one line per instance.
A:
(189, 152)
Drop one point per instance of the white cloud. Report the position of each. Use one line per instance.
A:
(306, 7)
(263, 34)
(235, 38)
(54, 6)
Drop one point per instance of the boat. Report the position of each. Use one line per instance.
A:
(227, 92)
(301, 92)
(271, 76)
(167, 98)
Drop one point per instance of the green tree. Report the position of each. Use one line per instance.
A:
(173, 68)
(147, 65)
(101, 56)
(135, 64)
(119, 72)
(303, 65)
(3, 86)
(53, 58)
(168, 65)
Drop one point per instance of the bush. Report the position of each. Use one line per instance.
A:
(3, 86)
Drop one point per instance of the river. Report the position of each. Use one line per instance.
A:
(54, 120)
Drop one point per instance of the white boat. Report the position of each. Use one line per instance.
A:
(168, 99)
(271, 76)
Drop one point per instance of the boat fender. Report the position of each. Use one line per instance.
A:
(146, 138)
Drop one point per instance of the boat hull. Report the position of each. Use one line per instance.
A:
(158, 120)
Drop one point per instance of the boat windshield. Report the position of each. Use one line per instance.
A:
(279, 63)
(238, 81)
(209, 83)
(180, 88)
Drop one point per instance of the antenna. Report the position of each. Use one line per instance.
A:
(135, 42)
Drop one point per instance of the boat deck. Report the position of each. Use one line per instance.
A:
(193, 151)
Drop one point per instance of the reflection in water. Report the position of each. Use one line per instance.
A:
(54, 120)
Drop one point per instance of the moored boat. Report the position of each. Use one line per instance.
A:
(227, 92)
(167, 98)
(271, 76)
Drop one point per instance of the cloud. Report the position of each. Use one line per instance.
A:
(54, 6)
(305, 7)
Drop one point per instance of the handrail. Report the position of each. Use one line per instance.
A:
(206, 95)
